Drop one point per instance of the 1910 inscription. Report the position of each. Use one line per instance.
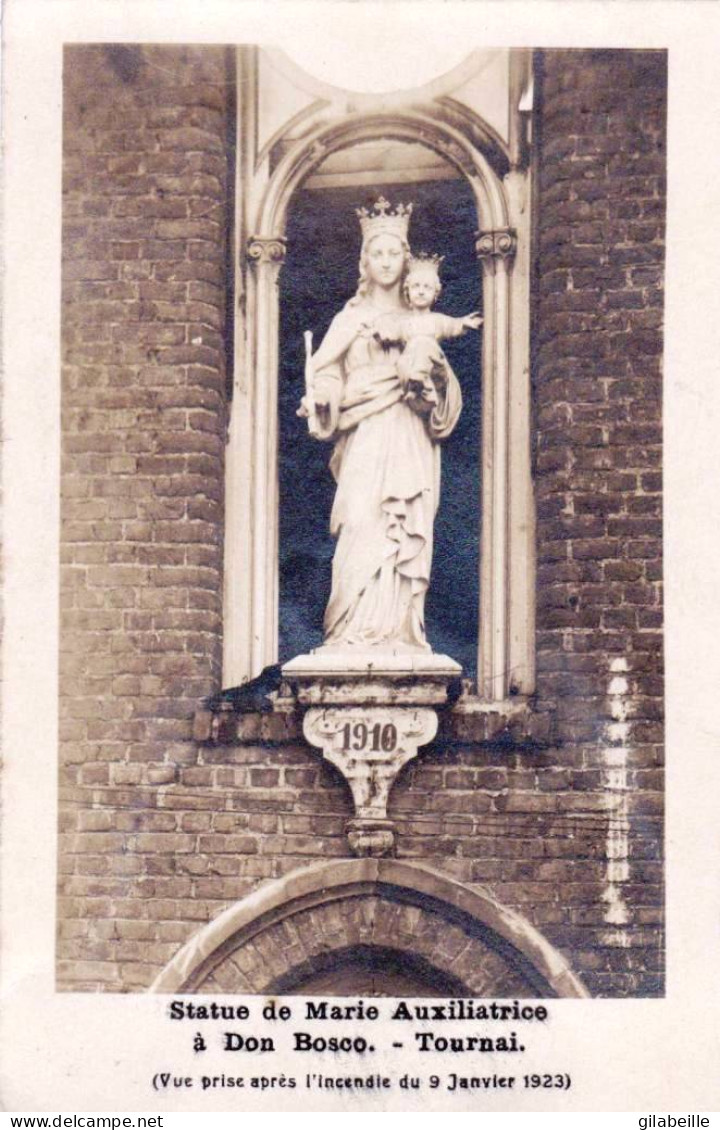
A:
(359, 736)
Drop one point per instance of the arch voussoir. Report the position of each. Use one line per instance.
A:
(287, 930)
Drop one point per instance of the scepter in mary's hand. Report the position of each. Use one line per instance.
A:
(307, 405)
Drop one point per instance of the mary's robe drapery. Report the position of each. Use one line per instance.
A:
(386, 463)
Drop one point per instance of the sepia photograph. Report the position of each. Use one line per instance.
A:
(359, 571)
(361, 616)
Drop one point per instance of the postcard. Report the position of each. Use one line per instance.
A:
(358, 558)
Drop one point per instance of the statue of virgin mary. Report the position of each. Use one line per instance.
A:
(386, 455)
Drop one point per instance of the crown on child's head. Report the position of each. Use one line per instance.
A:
(423, 260)
(380, 220)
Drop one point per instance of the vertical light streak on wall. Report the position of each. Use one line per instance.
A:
(615, 783)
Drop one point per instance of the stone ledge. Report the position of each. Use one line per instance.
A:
(338, 677)
(224, 725)
(512, 722)
(470, 721)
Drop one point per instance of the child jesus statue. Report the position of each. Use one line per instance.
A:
(422, 362)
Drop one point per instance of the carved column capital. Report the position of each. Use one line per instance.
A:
(266, 249)
(498, 244)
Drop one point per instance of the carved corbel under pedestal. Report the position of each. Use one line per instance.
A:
(370, 718)
(369, 745)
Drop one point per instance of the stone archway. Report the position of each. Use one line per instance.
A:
(506, 636)
(313, 926)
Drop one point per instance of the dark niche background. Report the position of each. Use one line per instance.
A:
(319, 276)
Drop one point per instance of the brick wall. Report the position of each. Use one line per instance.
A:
(145, 226)
(598, 358)
(159, 832)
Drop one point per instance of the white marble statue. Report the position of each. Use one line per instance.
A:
(381, 389)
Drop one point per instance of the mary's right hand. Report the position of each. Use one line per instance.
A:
(307, 406)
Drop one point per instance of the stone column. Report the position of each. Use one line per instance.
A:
(495, 250)
(256, 596)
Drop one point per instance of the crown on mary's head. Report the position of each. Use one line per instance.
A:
(382, 220)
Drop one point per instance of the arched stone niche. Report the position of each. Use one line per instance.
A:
(269, 171)
(313, 930)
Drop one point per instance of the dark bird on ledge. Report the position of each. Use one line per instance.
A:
(251, 697)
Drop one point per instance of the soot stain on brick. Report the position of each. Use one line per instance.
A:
(126, 60)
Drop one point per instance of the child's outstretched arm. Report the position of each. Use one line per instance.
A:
(456, 327)
(471, 321)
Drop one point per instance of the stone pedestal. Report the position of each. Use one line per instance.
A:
(369, 713)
